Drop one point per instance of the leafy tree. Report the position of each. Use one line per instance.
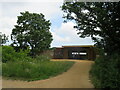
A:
(32, 30)
(98, 20)
(3, 38)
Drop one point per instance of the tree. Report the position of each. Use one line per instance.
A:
(3, 39)
(98, 20)
(32, 30)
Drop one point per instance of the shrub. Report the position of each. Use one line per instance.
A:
(9, 54)
(105, 73)
(19, 65)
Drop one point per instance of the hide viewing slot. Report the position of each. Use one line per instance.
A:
(84, 52)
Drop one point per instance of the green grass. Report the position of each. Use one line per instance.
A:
(35, 70)
(19, 65)
(0, 68)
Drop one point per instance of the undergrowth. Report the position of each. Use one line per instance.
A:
(105, 73)
(18, 65)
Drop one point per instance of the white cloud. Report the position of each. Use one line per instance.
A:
(6, 26)
(67, 35)
(31, 0)
(7, 22)
(67, 29)
(63, 35)
(10, 11)
(49, 9)
(59, 38)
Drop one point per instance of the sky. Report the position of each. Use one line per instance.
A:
(63, 33)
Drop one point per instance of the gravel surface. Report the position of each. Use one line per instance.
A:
(76, 77)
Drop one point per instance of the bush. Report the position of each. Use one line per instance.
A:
(19, 65)
(105, 73)
(9, 54)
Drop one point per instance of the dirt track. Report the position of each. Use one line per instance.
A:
(76, 77)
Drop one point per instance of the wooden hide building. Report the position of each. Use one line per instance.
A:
(85, 52)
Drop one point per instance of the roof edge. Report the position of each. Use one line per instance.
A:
(79, 46)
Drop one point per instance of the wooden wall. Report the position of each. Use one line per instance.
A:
(75, 53)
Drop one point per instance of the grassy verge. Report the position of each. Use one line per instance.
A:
(19, 65)
(35, 70)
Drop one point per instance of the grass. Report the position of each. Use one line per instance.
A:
(35, 70)
(19, 65)
(0, 68)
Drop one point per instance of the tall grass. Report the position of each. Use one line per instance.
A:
(36, 70)
(0, 61)
(0, 68)
(18, 65)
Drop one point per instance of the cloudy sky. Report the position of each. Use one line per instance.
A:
(63, 33)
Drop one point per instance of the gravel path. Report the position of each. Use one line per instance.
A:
(76, 77)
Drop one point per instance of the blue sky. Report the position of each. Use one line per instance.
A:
(63, 33)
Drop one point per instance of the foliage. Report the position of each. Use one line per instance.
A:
(9, 54)
(32, 30)
(0, 61)
(42, 58)
(35, 70)
(0, 53)
(3, 39)
(18, 65)
(105, 72)
(0, 69)
(99, 20)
